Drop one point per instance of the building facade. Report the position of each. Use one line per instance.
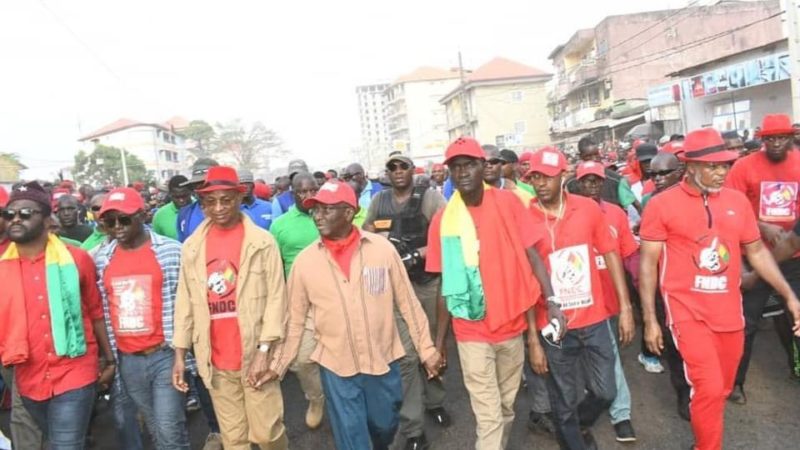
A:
(502, 102)
(416, 120)
(158, 145)
(603, 73)
(374, 145)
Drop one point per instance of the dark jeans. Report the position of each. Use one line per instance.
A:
(64, 419)
(590, 346)
(363, 409)
(148, 381)
(129, 433)
(753, 303)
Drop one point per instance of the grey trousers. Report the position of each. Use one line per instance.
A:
(25, 434)
(419, 393)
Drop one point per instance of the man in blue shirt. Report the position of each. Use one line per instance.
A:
(368, 189)
(190, 216)
(259, 211)
(281, 203)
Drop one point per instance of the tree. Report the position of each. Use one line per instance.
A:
(252, 147)
(202, 134)
(104, 165)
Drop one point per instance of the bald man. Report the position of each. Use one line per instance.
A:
(355, 175)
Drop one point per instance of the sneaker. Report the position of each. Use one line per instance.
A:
(651, 363)
(213, 442)
(625, 431)
(737, 395)
(541, 423)
(192, 404)
(316, 409)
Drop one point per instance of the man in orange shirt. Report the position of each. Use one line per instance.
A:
(770, 180)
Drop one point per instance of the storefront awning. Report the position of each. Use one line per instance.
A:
(598, 124)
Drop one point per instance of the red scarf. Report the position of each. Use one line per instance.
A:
(343, 250)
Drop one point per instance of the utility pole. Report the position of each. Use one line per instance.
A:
(793, 34)
(124, 168)
(464, 107)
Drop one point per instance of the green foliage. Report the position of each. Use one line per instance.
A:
(104, 165)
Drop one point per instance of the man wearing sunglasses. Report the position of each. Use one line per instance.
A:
(54, 348)
(770, 179)
(138, 273)
(230, 309)
(365, 189)
(352, 282)
(402, 214)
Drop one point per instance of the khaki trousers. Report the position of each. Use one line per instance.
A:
(492, 376)
(25, 434)
(248, 415)
(307, 371)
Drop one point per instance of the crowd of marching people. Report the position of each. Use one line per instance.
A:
(205, 294)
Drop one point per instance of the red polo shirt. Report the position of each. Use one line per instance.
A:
(44, 374)
(568, 247)
(771, 188)
(700, 267)
(626, 246)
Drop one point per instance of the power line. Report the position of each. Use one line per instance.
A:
(648, 28)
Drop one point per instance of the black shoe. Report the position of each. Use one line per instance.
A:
(541, 423)
(625, 431)
(737, 395)
(416, 443)
(440, 417)
(683, 407)
(588, 440)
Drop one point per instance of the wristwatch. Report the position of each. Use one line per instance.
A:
(263, 348)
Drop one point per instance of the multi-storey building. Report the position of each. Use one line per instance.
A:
(374, 143)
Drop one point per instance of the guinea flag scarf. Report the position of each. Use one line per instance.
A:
(64, 298)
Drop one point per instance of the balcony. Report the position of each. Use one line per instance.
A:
(587, 71)
(573, 118)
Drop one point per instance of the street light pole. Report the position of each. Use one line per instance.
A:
(124, 167)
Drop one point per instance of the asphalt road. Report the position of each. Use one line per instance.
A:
(768, 421)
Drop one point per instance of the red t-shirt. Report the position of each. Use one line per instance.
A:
(626, 246)
(223, 253)
(45, 375)
(771, 188)
(133, 281)
(568, 247)
(343, 250)
(478, 330)
(700, 268)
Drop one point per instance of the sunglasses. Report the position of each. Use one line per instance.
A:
(23, 213)
(661, 173)
(96, 208)
(394, 166)
(111, 222)
(495, 162)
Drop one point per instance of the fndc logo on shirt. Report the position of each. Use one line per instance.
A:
(711, 259)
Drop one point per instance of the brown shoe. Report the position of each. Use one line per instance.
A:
(316, 409)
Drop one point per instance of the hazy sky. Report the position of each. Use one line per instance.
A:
(71, 66)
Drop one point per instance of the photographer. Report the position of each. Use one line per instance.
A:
(402, 214)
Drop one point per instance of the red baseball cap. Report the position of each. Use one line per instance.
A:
(331, 193)
(262, 191)
(707, 145)
(464, 146)
(525, 156)
(437, 166)
(125, 200)
(548, 161)
(220, 178)
(590, 168)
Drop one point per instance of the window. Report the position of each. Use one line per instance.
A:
(519, 127)
(731, 115)
(516, 96)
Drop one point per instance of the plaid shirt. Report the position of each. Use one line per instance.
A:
(168, 255)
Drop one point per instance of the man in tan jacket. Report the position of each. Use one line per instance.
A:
(230, 308)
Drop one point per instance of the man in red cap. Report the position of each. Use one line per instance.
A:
(692, 235)
(51, 322)
(138, 272)
(351, 281)
(770, 180)
(482, 244)
(230, 309)
(590, 176)
(571, 230)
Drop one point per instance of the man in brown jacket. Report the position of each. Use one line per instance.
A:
(350, 281)
(230, 309)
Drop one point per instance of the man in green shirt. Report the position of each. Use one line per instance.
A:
(165, 221)
(294, 231)
(98, 236)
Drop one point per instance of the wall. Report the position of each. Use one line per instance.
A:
(498, 113)
(774, 98)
